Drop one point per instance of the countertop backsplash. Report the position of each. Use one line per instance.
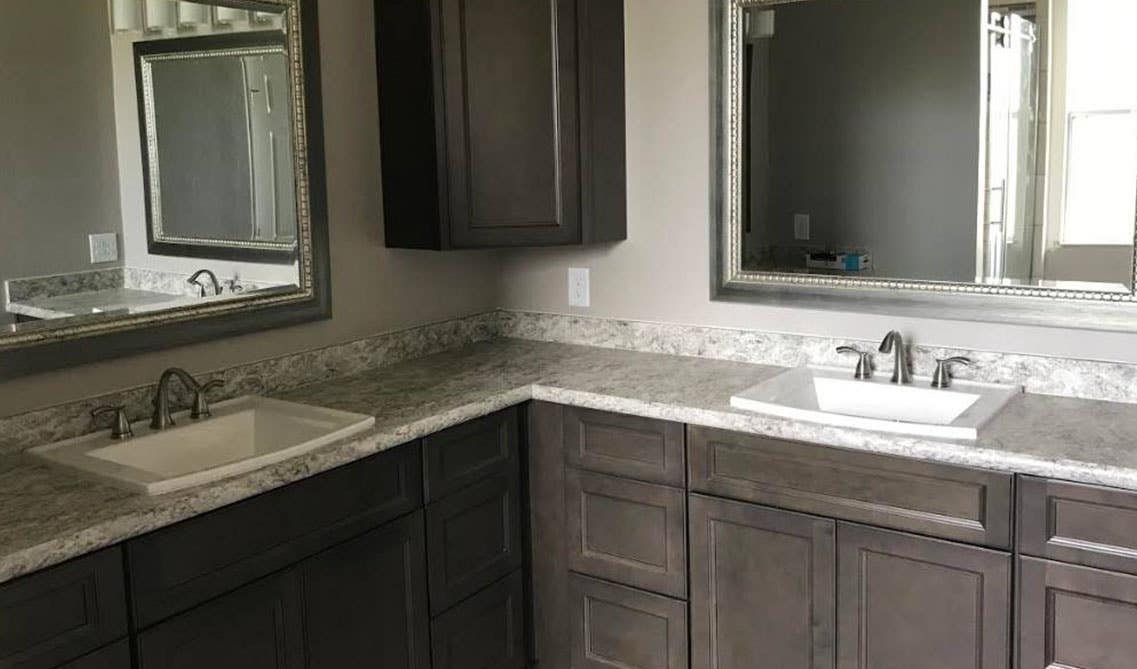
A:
(1082, 379)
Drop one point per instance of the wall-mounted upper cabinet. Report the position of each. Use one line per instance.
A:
(501, 122)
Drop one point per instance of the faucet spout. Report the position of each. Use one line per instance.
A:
(195, 280)
(894, 343)
(161, 418)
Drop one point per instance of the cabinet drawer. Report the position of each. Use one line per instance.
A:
(258, 626)
(486, 630)
(638, 448)
(470, 452)
(473, 538)
(180, 566)
(115, 656)
(63, 612)
(626, 531)
(617, 626)
(1075, 617)
(1078, 523)
(938, 500)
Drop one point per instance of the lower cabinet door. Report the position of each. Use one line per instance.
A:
(487, 630)
(617, 627)
(366, 598)
(114, 656)
(908, 602)
(762, 587)
(258, 626)
(1075, 617)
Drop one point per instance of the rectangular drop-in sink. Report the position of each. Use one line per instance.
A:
(242, 435)
(833, 397)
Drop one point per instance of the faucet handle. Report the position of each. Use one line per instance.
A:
(942, 377)
(120, 427)
(200, 403)
(864, 362)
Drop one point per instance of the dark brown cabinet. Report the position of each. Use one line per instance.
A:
(917, 603)
(259, 626)
(617, 626)
(1073, 617)
(762, 587)
(501, 122)
(61, 613)
(367, 598)
(486, 630)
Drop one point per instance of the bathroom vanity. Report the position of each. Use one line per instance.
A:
(579, 507)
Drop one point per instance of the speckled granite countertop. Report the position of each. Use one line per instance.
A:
(49, 516)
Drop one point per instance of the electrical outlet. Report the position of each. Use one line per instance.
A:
(578, 288)
(801, 227)
(104, 247)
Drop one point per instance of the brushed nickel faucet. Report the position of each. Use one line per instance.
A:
(162, 418)
(942, 377)
(195, 280)
(864, 362)
(894, 343)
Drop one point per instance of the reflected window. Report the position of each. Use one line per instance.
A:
(1101, 123)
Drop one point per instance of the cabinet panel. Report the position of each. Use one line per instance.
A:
(486, 630)
(945, 501)
(1078, 523)
(626, 531)
(629, 446)
(762, 587)
(473, 539)
(917, 603)
(114, 656)
(509, 78)
(185, 564)
(466, 453)
(256, 627)
(367, 599)
(62, 612)
(617, 626)
(1074, 617)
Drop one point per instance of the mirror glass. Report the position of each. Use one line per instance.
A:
(965, 141)
(148, 158)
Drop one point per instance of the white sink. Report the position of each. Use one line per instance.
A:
(831, 396)
(242, 435)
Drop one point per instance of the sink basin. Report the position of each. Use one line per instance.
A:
(243, 434)
(831, 396)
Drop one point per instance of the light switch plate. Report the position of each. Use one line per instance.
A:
(104, 247)
(578, 288)
(801, 227)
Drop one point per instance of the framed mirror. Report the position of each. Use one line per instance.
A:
(214, 118)
(163, 177)
(976, 156)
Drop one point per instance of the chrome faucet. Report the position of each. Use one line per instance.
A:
(162, 418)
(195, 280)
(894, 343)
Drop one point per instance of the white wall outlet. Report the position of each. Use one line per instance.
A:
(104, 247)
(578, 288)
(801, 227)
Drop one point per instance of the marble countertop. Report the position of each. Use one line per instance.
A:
(50, 516)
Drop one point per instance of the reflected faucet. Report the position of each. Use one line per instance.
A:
(195, 280)
(894, 343)
(162, 418)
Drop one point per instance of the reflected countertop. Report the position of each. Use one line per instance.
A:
(50, 516)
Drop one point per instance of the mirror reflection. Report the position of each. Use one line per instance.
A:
(941, 140)
(148, 157)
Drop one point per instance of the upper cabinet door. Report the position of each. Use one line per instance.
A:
(510, 83)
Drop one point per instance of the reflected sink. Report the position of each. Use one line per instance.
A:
(831, 396)
(243, 434)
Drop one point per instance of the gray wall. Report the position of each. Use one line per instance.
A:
(374, 289)
(874, 131)
(662, 273)
(58, 172)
